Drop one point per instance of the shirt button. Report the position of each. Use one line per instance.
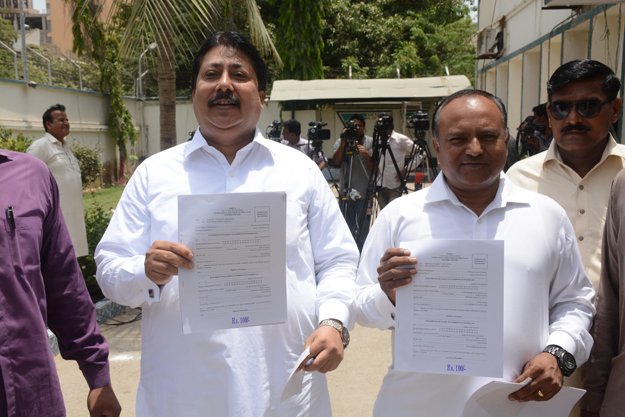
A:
(151, 293)
(580, 238)
(581, 187)
(582, 211)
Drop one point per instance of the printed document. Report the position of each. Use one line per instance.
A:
(449, 320)
(238, 242)
(491, 400)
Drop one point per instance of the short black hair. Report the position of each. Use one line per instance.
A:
(293, 126)
(47, 115)
(238, 42)
(358, 116)
(467, 92)
(584, 70)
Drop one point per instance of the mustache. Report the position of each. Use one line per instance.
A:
(577, 128)
(224, 95)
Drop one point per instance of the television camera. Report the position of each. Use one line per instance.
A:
(274, 130)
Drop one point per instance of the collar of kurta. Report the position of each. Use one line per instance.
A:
(198, 142)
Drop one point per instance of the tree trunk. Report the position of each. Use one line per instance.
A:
(167, 94)
(123, 156)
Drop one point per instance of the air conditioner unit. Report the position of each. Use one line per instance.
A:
(487, 47)
(570, 3)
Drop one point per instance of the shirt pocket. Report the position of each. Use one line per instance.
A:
(23, 244)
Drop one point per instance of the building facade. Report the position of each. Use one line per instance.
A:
(521, 42)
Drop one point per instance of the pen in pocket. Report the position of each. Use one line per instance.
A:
(10, 218)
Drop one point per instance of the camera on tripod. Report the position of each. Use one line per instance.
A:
(350, 133)
(419, 121)
(274, 130)
(317, 133)
(384, 123)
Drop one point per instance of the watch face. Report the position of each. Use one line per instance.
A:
(569, 361)
(345, 335)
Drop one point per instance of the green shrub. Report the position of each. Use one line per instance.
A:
(96, 222)
(89, 161)
(19, 143)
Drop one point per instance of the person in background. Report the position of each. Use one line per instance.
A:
(55, 151)
(41, 287)
(291, 131)
(354, 156)
(389, 175)
(583, 158)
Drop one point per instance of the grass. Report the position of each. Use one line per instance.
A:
(107, 198)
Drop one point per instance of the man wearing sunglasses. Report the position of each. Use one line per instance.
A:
(583, 159)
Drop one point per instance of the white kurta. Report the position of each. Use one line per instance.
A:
(66, 171)
(237, 372)
(547, 297)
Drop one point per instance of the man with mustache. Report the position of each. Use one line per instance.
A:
(583, 158)
(236, 371)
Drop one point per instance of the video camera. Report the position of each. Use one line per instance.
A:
(350, 133)
(384, 123)
(274, 130)
(419, 121)
(316, 132)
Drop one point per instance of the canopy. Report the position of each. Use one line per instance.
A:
(384, 89)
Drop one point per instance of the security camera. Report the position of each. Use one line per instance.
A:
(32, 84)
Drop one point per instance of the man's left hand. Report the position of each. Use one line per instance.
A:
(326, 346)
(102, 402)
(546, 379)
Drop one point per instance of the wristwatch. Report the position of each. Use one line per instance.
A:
(566, 361)
(339, 328)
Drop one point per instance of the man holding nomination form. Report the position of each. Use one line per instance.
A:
(548, 300)
(241, 371)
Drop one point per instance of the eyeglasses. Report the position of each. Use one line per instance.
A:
(587, 108)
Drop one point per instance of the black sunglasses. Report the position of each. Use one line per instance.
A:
(587, 108)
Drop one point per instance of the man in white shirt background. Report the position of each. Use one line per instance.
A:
(392, 166)
(291, 131)
(55, 151)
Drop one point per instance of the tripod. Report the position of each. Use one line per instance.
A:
(392, 178)
(352, 202)
(421, 147)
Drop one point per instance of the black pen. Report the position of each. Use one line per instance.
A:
(10, 218)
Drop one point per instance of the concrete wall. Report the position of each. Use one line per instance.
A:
(21, 108)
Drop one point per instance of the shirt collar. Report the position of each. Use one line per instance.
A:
(52, 139)
(611, 149)
(507, 193)
(198, 142)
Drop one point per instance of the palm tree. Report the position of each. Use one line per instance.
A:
(174, 25)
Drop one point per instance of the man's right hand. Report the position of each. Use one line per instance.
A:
(164, 258)
(395, 270)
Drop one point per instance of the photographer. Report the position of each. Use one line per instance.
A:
(391, 175)
(291, 130)
(352, 154)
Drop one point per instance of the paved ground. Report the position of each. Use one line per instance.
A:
(353, 387)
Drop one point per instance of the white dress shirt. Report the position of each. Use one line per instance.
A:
(64, 166)
(302, 145)
(547, 297)
(234, 372)
(400, 145)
